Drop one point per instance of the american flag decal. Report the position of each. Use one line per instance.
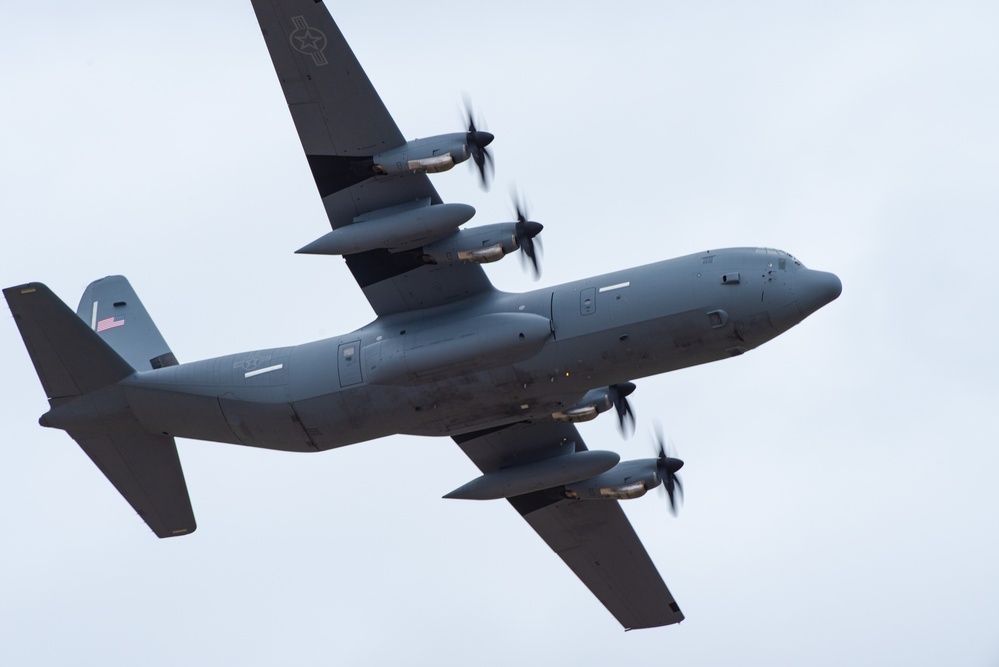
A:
(110, 323)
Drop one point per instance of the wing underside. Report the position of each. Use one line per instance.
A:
(343, 123)
(593, 537)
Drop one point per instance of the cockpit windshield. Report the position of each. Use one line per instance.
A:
(783, 256)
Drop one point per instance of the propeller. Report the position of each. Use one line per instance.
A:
(625, 415)
(667, 467)
(526, 230)
(477, 141)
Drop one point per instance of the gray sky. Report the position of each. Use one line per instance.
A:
(841, 495)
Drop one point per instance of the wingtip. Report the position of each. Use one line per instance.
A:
(176, 532)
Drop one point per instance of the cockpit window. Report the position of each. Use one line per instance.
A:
(778, 253)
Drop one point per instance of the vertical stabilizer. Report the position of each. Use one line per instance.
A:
(113, 310)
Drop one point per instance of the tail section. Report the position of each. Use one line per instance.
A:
(80, 362)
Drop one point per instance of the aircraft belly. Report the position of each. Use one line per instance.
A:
(268, 425)
(173, 413)
(353, 415)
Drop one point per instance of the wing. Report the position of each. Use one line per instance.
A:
(593, 537)
(342, 123)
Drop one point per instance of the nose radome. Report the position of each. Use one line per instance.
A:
(815, 289)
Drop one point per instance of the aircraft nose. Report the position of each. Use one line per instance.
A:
(815, 289)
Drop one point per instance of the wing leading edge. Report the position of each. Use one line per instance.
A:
(593, 537)
(343, 123)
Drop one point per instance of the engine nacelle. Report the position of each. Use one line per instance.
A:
(592, 404)
(628, 479)
(479, 245)
(430, 155)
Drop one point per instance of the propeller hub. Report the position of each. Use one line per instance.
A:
(480, 139)
(671, 466)
(530, 229)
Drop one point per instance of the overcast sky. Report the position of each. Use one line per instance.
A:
(841, 495)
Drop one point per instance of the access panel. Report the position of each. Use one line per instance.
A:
(349, 363)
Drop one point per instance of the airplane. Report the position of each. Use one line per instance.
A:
(507, 376)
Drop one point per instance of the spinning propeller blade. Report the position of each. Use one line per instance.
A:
(526, 232)
(667, 467)
(625, 415)
(477, 141)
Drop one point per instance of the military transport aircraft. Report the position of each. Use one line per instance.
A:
(507, 376)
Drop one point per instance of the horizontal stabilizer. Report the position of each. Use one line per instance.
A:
(146, 470)
(69, 356)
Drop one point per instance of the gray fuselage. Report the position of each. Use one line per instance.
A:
(488, 361)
